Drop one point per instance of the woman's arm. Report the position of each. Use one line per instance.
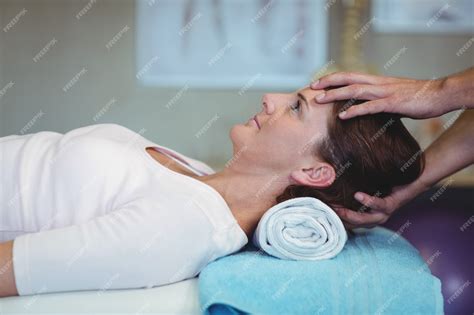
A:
(7, 278)
(141, 244)
(451, 152)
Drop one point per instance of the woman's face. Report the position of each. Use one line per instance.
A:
(290, 125)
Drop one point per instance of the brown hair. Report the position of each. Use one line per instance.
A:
(370, 153)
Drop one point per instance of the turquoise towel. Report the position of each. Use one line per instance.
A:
(377, 272)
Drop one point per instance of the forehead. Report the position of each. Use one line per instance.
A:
(307, 91)
(303, 89)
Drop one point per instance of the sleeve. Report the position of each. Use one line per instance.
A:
(132, 247)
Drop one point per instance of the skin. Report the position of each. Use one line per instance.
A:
(417, 99)
(7, 278)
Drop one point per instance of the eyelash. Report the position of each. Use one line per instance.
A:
(298, 103)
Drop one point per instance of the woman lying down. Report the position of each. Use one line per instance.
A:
(101, 207)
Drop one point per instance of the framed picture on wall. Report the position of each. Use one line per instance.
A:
(423, 16)
(230, 43)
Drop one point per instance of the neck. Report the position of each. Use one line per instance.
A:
(248, 195)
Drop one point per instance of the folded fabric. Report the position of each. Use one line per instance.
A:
(302, 228)
(378, 272)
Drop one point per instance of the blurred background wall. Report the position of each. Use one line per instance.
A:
(107, 86)
(32, 99)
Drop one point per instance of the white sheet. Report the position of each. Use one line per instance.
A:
(176, 298)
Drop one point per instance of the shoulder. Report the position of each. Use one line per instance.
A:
(97, 146)
(100, 138)
(111, 131)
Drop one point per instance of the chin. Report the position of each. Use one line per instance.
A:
(239, 135)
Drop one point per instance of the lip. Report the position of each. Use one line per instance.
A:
(256, 120)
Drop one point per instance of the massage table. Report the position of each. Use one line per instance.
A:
(177, 298)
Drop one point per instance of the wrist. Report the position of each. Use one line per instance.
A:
(444, 94)
(424, 180)
(422, 185)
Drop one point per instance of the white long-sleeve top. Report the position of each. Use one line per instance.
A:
(92, 210)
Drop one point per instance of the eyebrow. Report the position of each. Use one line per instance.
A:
(304, 99)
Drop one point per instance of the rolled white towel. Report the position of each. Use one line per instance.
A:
(302, 228)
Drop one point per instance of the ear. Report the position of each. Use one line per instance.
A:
(319, 176)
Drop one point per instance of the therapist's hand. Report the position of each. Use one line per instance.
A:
(380, 208)
(417, 99)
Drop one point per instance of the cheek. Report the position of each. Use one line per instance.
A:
(295, 140)
(281, 141)
(284, 131)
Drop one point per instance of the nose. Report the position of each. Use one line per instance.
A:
(268, 104)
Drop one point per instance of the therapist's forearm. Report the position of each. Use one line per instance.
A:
(457, 90)
(7, 277)
(451, 152)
